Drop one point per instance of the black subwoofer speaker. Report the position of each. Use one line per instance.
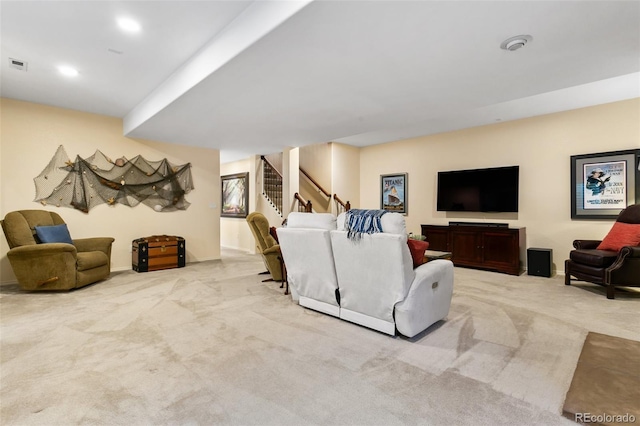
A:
(539, 262)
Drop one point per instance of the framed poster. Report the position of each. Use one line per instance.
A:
(235, 195)
(393, 192)
(604, 183)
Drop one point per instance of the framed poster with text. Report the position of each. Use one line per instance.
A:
(604, 183)
(393, 192)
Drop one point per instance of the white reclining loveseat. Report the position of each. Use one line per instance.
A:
(306, 248)
(380, 289)
(376, 284)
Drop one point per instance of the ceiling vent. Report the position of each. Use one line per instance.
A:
(18, 64)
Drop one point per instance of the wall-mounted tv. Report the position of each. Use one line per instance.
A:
(479, 190)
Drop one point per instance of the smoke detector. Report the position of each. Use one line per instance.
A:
(515, 43)
(17, 64)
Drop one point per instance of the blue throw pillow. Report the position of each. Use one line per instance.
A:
(54, 234)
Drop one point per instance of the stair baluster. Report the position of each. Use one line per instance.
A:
(272, 184)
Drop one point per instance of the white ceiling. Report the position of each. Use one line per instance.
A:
(254, 77)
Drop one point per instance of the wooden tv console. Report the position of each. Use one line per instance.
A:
(484, 246)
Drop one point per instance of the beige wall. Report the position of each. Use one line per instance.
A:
(345, 176)
(541, 146)
(290, 179)
(30, 135)
(235, 232)
(276, 161)
(316, 161)
(337, 168)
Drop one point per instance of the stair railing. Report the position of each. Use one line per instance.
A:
(272, 184)
(315, 183)
(341, 206)
(303, 205)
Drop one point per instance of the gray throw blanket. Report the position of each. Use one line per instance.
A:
(359, 221)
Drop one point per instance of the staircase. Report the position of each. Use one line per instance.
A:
(272, 185)
(341, 206)
(272, 189)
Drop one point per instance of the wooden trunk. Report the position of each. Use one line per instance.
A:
(158, 252)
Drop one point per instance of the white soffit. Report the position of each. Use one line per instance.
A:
(581, 96)
(259, 19)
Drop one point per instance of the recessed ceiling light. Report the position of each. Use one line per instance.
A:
(515, 43)
(129, 25)
(68, 71)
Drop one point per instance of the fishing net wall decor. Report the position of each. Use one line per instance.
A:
(85, 183)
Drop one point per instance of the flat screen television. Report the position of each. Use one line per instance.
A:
(479, 190)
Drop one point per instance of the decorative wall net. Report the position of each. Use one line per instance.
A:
(85, 183)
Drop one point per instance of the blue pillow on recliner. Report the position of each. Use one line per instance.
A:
(54, 234)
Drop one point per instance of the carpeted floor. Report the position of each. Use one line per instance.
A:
(211, 344)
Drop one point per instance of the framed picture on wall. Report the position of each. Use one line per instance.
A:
(393, 192)
(604, 183)
(235, 195)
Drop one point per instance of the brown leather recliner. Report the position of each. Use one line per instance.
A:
(605, 267)
(56, 265)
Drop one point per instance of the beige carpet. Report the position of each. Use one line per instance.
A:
(211, 344)
(606, 383)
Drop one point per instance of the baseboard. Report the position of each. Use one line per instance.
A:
(242, 249)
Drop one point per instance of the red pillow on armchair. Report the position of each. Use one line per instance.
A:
(417, 249)
(621, 235)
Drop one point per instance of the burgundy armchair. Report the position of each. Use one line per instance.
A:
(608, 267)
